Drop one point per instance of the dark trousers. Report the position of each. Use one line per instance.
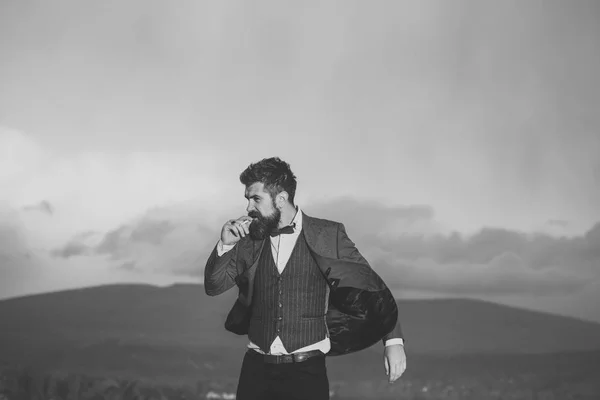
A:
(306, 380)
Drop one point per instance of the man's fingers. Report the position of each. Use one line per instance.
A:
(386, 364)
(400, 370)
(246, 227)
(240, 229)
(236, 229)
(244, 219)
(244, 223)
(393, 372)
(232, 228)
(396, 371)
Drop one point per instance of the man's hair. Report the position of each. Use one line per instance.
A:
(274, 173)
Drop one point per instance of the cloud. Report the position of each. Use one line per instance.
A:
(43, 206)
(151, 231)
(172, 240)
(18, 263)
(147, 231)
(403, 245)
(90, 195)
(375, 217)
(505, 274)
(77, 246)
(97, 190)
(116, 243)
(179, 238)
(71, 249)
(129, 266)
(27, 268)
(558, 222)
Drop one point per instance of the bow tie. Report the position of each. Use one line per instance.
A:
(284, 230)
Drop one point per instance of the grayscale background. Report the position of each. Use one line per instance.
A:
(458, 141)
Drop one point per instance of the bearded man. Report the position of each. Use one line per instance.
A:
(305, 292)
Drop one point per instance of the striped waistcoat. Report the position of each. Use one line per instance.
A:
(291, 305)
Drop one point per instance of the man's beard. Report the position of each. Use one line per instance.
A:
(261, 227)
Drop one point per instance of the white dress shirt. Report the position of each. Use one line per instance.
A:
(281, 248)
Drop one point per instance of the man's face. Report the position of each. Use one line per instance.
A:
(262, 209)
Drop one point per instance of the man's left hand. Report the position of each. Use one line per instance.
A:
(394, 360)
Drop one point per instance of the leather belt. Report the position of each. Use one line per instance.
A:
(286, 358)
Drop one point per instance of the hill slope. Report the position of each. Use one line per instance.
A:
(182, 315)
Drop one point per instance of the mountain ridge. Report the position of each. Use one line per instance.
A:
(178, 332)
(183, 285)
(183, 315)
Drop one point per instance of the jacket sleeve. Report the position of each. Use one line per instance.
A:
(396, 333)
(346, 249)
(220, 271)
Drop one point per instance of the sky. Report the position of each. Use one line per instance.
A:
(459, 142)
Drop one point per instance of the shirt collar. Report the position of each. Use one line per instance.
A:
(297, 220)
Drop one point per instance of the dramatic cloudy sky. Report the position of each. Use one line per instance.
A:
(458, 141)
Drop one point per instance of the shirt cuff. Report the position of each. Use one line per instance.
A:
(391, 342)
(223, 248)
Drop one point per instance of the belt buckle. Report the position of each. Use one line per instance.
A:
(299, 357)
(287, 358)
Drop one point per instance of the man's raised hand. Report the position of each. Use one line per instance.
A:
(235, 229)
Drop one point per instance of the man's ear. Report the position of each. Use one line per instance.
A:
(282, 197)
